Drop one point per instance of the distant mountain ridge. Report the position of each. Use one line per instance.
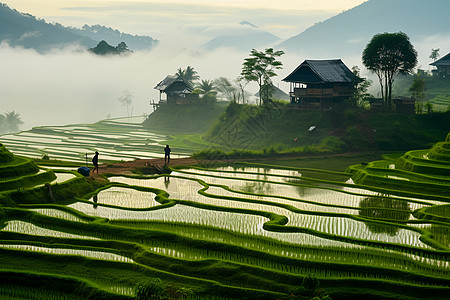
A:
(24, 30)
(349, 32)
(245, 37)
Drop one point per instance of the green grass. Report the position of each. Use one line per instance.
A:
(183, 119)
(217, 263)
(283, 128)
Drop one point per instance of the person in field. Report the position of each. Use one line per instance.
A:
(167, 154)
(95, 162)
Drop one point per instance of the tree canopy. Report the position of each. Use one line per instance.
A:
(10, 122)
(103, 48)
(388, 55)
(260, 67)
(189, 75)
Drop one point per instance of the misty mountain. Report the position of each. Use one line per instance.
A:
(24, 30)
(349, 32)
(245, 36)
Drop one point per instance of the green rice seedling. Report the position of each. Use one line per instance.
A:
(55, 213)
(125, 197)
(28, 228)
(69, 251)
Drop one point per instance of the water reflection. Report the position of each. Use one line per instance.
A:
(95, 199)
(384, 208)
(257, 187)
(166, 181)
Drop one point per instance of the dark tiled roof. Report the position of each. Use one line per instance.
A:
(444, 61)
(174, 84)
(320, 71)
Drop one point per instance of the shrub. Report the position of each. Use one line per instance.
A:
(151, 290)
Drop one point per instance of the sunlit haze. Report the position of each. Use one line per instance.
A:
(43, 87)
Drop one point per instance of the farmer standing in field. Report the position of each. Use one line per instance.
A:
(95, 162)
(167, 154)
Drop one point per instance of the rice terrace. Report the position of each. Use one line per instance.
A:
(237, 229)
(311, 161)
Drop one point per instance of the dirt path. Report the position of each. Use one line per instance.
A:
(126, 167)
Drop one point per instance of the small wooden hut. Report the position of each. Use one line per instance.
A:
(321, 84)
(405, 105)
(442, 66)
(174, 90)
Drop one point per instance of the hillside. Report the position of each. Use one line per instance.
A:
(245, 37)
(347, 33)
(24, 30)
(251, 127)
(184, 119)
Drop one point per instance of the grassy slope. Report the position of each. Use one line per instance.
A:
(254, 128)
(183, 119)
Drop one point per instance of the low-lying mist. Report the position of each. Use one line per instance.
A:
(73, 86)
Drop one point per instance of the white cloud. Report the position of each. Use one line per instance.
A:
(72, 86)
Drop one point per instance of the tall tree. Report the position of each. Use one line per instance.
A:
(127, 100)
(388, 55)
(2, 124)
(434, 54)
(12, 121)
(261, 66)
(227, 89)
(417, 88)
(359, 97)
(189, 75)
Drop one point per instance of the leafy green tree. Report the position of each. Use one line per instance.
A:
(429, 107)
(12, 121)
(434, 54)
(388, 55)
(360, 97)
(417, 88)
(103, 48)
(260, 67)
(189, 75)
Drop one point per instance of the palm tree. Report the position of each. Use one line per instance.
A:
(206, 86)
(189, 75)
(127, 99)
(12, 121)
(207, 89)
(2, 124)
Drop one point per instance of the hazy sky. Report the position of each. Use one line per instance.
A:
(67, 86)
(162, 18)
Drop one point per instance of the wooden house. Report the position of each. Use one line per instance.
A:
(174, 90)
(405, 105)
(321, 84)
(376, 104)
(442, 66)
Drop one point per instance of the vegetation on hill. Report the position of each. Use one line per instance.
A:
(25, 30)
(435, 90)
(103, 48)
(283, 129)
(172, 119)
